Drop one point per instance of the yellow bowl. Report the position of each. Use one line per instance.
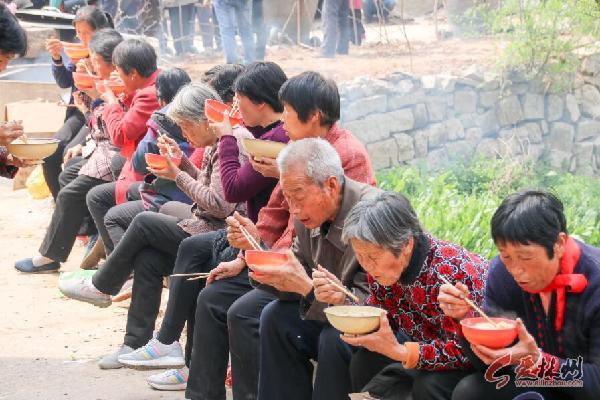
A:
(354, 320)
(262, 148)
(33, 148)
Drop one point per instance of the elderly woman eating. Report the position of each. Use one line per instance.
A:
(416, 349)
(551, 282)
(149, 246)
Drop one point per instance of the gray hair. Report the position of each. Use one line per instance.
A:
(188, 103)
(387, 220)
(319, 159)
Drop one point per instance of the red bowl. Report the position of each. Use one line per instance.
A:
(156, 161)
(215, 110)
(117, 87)
(479, 331)
(83, 80)
(265, 258)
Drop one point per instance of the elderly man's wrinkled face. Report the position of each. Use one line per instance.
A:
(530, 265)
(310, 203)
(381, 263)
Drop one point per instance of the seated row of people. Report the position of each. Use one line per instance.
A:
(318, 203)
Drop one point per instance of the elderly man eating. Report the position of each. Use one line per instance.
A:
(551, 283)
(319, 197)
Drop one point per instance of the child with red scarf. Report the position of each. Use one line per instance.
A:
(551, 282)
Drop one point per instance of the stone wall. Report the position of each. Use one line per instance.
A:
(404, 119)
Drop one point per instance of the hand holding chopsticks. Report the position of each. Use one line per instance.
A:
(339, 287)
(470, 303)
(242, 233)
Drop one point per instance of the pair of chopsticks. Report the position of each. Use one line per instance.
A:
(340, 287)
(235, 107)
(471, 304)
(169, 150)
(193, 276)
(255, 245)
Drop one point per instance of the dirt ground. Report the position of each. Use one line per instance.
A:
(49, 344)
(385, 51)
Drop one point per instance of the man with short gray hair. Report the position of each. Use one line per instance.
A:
(319, 197)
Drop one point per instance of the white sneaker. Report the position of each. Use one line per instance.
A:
(155, 355)
(83, 289)
(173, 379)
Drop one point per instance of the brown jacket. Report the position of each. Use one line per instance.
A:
(324, 246)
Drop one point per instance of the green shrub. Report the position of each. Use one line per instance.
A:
(457, 204)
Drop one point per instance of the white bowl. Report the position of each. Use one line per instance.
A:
(354, 320)
(33, 148)
(262, 148)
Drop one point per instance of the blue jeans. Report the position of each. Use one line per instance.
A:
(336, 27)
(370, 10)
(235, 15)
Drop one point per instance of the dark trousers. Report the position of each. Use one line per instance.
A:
(287, 346)
(208, 366)
(209, 28)
(243, 321)
(259, 27)
(67, 217)
(69, 173)
(148, 249)
(335, 27)
(69, 135)
(194, 255)
(182, 19)
(118, 219)
(475, 386)
(99, 200)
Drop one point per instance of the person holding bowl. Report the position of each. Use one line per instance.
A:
(551, 283)
(416, 349)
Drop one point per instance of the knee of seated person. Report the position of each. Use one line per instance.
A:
(145, 218)
(469, 388)
(92, 196)
(271, 316)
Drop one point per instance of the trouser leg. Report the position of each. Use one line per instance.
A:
(287, 344)
(99, 201)
(118, 219)
(243, 320)
(333, 373)
(67, 218)
(208, 366)
(148, 230)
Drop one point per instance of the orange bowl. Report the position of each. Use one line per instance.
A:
(156, 161)
(265, 258)
(479, 331)
(117, 87)
(84, 80)
(75, 51)
(215, 110)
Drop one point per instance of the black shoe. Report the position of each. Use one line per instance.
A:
(26, 266)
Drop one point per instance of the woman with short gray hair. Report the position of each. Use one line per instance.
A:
(150, 245)
(418, 347)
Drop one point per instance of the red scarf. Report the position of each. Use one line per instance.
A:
(566, 280)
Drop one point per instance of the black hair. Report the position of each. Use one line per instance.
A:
(168, 83)
(13, 38)
(135, 54)
(221, 78)
(94, 17)
(530, 216)
(104, 43)
(310, 92)
(260, 82)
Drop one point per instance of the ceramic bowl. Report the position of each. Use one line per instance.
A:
(479, 331)
(354, 320)
(255, 258)
(33, 148)
(156, 161)
(262, 148)
(214, 111)
(83, 80)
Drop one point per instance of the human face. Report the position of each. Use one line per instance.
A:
(197, 133)
(311, 204)
(251, 112)
(530, 265)
(101, 67)
(131, 80)
(381, 263)
(297, 129)
(4, 59)
(84, 32)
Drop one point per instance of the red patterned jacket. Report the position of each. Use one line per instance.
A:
(413, 308)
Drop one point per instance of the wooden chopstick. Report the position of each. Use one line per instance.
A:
(346, 291)
(192, 274)
(471, 304)
(255, 245)
(169, 150)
